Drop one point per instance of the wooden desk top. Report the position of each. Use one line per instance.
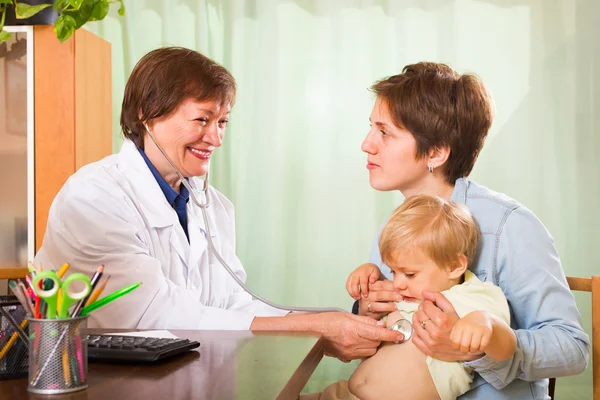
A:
(230, 365)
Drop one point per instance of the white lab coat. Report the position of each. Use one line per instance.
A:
(113, 212)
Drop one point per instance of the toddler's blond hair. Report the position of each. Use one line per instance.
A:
(441, 229)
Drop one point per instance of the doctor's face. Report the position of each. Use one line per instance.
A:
(391, 151)
(189, 136)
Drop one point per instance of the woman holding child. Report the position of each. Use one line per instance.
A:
(429, 124)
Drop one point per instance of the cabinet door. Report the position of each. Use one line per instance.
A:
(16, 149)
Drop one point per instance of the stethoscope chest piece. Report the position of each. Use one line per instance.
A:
(404, 327)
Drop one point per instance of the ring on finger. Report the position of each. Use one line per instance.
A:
(369, 307)
(424, 322)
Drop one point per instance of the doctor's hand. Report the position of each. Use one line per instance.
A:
(380, 301)
(349, 336)
(432, 327)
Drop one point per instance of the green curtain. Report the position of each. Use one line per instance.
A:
(291, 162)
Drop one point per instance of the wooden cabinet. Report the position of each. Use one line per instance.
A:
(69, 118)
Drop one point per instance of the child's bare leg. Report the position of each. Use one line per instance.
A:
(395, 372)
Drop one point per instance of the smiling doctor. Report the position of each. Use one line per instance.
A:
(131, 213)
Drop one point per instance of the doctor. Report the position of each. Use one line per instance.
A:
(131, 213)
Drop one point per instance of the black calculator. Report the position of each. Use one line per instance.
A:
(108, 348)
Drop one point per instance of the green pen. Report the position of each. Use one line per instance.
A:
(109, 298)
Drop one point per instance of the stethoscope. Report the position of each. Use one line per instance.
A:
(403, 325)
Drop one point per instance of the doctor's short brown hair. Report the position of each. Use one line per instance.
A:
(163, 79)
(441, 229)
(440, 108)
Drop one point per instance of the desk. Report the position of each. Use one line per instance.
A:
(230, 365)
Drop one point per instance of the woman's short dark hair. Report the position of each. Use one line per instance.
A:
(440, 107)
(163, 79)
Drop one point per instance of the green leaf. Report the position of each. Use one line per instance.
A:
(5, 1)
(122, 8)
(64, 27)
(2, 16)
(23, 11)
(82, 15)
(100, 10)
(4, 36)
(76, 4)
(59, 5)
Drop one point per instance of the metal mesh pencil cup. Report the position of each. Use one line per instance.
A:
(57, 355)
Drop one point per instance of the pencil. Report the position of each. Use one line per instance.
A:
(26, 298)
(22, 297)
(97, 292)
(12, 340)
(66, 366)
(31, 269)
(74, 371)
(62, 270)
(59, 299)
(94, 281)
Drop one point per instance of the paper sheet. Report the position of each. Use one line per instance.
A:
(153, 334)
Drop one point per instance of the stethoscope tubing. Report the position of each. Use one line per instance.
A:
(203, 206)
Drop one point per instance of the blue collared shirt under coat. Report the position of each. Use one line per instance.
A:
(177, 200)
(517, 253)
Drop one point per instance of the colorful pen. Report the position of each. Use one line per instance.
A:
(107, 299)
(31, 288)
(79, 350)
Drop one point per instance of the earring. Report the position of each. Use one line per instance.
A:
(430, 169)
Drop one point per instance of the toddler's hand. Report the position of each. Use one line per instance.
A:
(359, 280)
(472, 333)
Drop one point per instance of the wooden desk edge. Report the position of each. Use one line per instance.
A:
(300, 377)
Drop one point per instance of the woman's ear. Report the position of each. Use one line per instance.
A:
(438, 156)
(143, 122)
(459, 267)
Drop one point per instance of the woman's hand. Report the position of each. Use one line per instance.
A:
(432, 326)
(380, 301)
(358, 281)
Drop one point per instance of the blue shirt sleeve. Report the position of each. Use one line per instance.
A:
(550, 339)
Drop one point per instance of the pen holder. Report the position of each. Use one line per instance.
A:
(57, 355)
(13, 339)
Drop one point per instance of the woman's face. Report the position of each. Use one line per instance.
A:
(391, 160)
(189, 136)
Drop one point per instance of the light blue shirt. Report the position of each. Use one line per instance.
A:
(517, 253)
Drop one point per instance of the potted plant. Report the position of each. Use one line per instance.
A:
(67, 15)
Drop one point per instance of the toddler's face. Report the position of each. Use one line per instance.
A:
(414, 272)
